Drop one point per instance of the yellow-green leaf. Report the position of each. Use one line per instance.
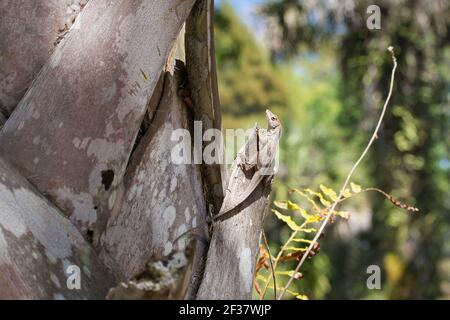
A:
(297, 295)
(313, 219)
(355, 188)
(308, 230)
(325, 202)
(290, 273)
(305, 214)
(347, 193)
(329, 192)
(301, 240)
(304, 195)
(288, 220)
(286, 204)
(260, 277)
(343, 214)
(296, 249)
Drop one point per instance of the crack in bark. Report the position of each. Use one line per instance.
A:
(149, 114)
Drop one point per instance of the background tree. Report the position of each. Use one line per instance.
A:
(410, 159)
(333, 74)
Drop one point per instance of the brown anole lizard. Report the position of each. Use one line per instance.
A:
(259, 155)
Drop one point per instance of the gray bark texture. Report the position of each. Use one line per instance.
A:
(38, 244)
(161, 199)
(201, 66)
(90, 97)
(73, 132)
(29, 31)
(231, 259)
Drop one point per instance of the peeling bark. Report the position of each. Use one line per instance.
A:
(160, 201)
(201, 66)
(162, 279)
(37, 244)
(93, 135)
(231, 260)
(28, 31)
(72, 133)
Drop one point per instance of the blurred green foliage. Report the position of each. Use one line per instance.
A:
(327, 77)
(309, 108)
(238, 53)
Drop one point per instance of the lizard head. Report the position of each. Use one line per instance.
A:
(272, 120)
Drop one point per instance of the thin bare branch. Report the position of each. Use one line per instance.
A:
(347, 180)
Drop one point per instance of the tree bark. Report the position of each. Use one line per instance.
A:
(73, 132)
(161, 199)
(231, 260)
(28, 32)
(93, 135)
(201, 66)
(38, 244)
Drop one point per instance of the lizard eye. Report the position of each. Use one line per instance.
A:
(273, 118)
